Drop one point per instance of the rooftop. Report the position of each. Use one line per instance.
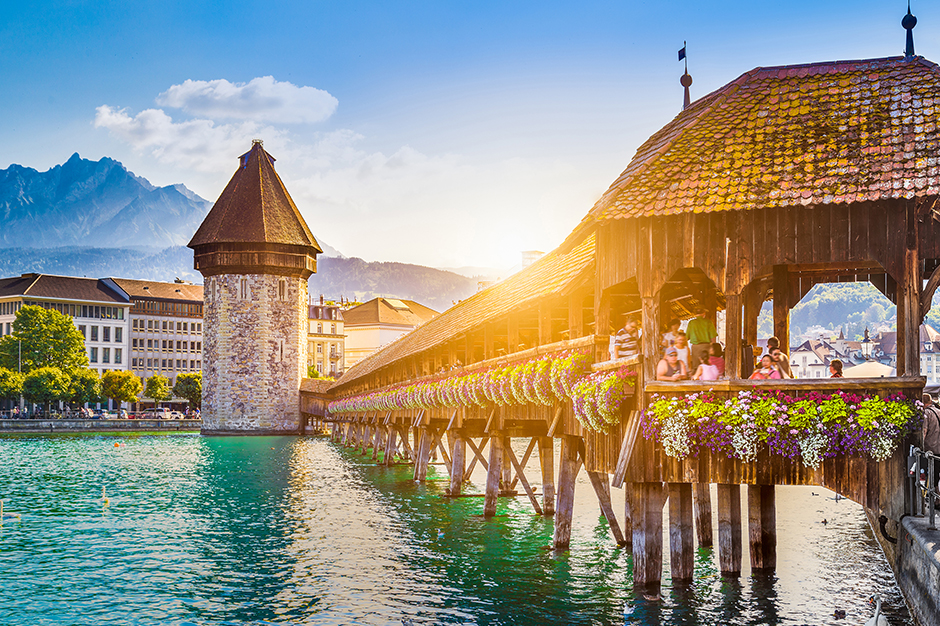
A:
(800, 135)
(60, 288)
(162, 291)
(389, 311)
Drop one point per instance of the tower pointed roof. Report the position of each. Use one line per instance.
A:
(255, 208)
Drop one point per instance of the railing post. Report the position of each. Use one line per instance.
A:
(931, 491)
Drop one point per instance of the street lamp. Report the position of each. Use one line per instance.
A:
(867, 345)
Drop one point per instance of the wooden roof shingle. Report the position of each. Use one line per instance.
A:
(801, 135)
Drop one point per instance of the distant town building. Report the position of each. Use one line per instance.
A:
(811, 358)
(98, 308)
(886, 351)
(326, 339)
(380, 321)
(165, 327)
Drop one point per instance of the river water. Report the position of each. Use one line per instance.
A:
(284, 530)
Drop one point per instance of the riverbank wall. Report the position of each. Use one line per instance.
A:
(105, 426)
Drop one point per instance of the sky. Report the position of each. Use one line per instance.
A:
(441, 133)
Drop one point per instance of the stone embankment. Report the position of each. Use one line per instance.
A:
(97, 426)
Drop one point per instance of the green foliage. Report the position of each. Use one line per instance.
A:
(189, 386)
(11, 383)
(85, 386)
(120, 386)
(43, 338)
(158, 388)
(45, 385)
(312, 372)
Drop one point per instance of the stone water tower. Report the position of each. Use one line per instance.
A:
(255, 253)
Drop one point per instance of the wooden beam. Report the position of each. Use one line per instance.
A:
(576, 314)
(545, 322)
(520, 475)
(681, 544)
(650, 341)
(626, 448)
(556, 421)
(422, 458)
(525, 459)
(568, 470)
(477, 456)
(702, 503)
(459, 462)
(762, 526)
(732, 338)
(547, 464)
(647, 534)
(729, 529)
(781, 308)
(493, 474)
(602, 491)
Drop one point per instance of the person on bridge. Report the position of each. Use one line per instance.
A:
(767, 369)
(702, 335)
(779, 357)
(670, 367)
(835, 369)
(627, 339)
(931, 432)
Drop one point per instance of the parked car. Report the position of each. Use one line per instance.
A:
(160, 413)
(176, 415)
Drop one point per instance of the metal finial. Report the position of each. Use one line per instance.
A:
(909, 22)
(685, 80)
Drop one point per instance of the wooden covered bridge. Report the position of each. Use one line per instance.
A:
(782, 179)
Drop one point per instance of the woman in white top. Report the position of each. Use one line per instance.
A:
(682, 345)
(706, 372)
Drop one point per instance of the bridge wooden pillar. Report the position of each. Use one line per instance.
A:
(732, 337)
(547, 463)
(601, 483)
(493, 474)
(423, 440)
(729, 529)
(762, 526)
(391, 445)
(702, 504)
(458, 461)
(568, 468)
(650, 341)
(379, 428)
(505, 482)
(648, 501)
(366, 438)
(908, 298)
(681, 543)
(781, 280)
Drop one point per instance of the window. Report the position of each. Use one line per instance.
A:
(192, 365)
(133, 343)
(150, 344)
(163, 361)
(117, 355)
(93, 357)
(81, 329)
(149, 363)
(94, 333)
(279, 350)
(320, 367)
(198, 364)
(320, 327)
(198, 346)
(164, 325)
(149, 324)
(282, 289)
(332, 329)
(179, 346)
(178, 366)
(119, 335)
(163, 347)
(319, 348)
(106, 355)
(185, 327)
(105, 333)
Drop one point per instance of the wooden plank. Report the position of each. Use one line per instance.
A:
(477, 456)
(702, 505)
(839, 233)
(602, 491)
(786, 234)
(762, 526)
(626, 449)
(567, 476)
(729, 529)
(458, 464)
(805, 231)
(493, 475)
(781, 310)
(520, 475)
(647, 535)
(878, 234)
(547, 465)
(681, 544)
(858, 232)
(556, 421)
(822, 234)
(525, 459)
(423, 444)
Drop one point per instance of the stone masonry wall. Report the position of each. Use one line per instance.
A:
(254, 353)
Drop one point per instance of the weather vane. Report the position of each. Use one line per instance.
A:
(685, 80)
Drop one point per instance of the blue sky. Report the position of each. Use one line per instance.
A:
(440, 133)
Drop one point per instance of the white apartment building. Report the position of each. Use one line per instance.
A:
(326, 342)
(98, 308)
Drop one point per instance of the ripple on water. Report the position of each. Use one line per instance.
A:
(287, 530)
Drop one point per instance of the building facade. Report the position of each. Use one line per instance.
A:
(378, 322)
(98, 308)
(256, 253)
(326, 341)
(165, 328)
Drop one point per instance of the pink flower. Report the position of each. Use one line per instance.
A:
(794, 431)
(727, 428)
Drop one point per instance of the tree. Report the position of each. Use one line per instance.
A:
(85, 386)
(189, 386)
(11, 383)
(312, 372)
(45, 385)
(158, 388)
(43, 338)
(120, 386)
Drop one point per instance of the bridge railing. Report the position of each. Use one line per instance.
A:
(922, 474)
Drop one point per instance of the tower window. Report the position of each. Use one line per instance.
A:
(282, 289)
(243, 284)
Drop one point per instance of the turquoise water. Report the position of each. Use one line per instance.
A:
(285, 530)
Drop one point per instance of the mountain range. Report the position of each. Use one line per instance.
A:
(96, 218)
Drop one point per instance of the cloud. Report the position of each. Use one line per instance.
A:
(198, 144)
(260, 99)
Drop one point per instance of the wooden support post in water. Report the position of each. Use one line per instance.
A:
(547, 461)
(505, 483)
(378, 441)
(647, 499)
(628, 515)
(366, 438)
(493, 474)
(762, 526)
(391, 446)
(602, 489)
(702, 502)
(681, 542)
(569, 466)
(422, 453)
(458, 464)
(729, 529)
